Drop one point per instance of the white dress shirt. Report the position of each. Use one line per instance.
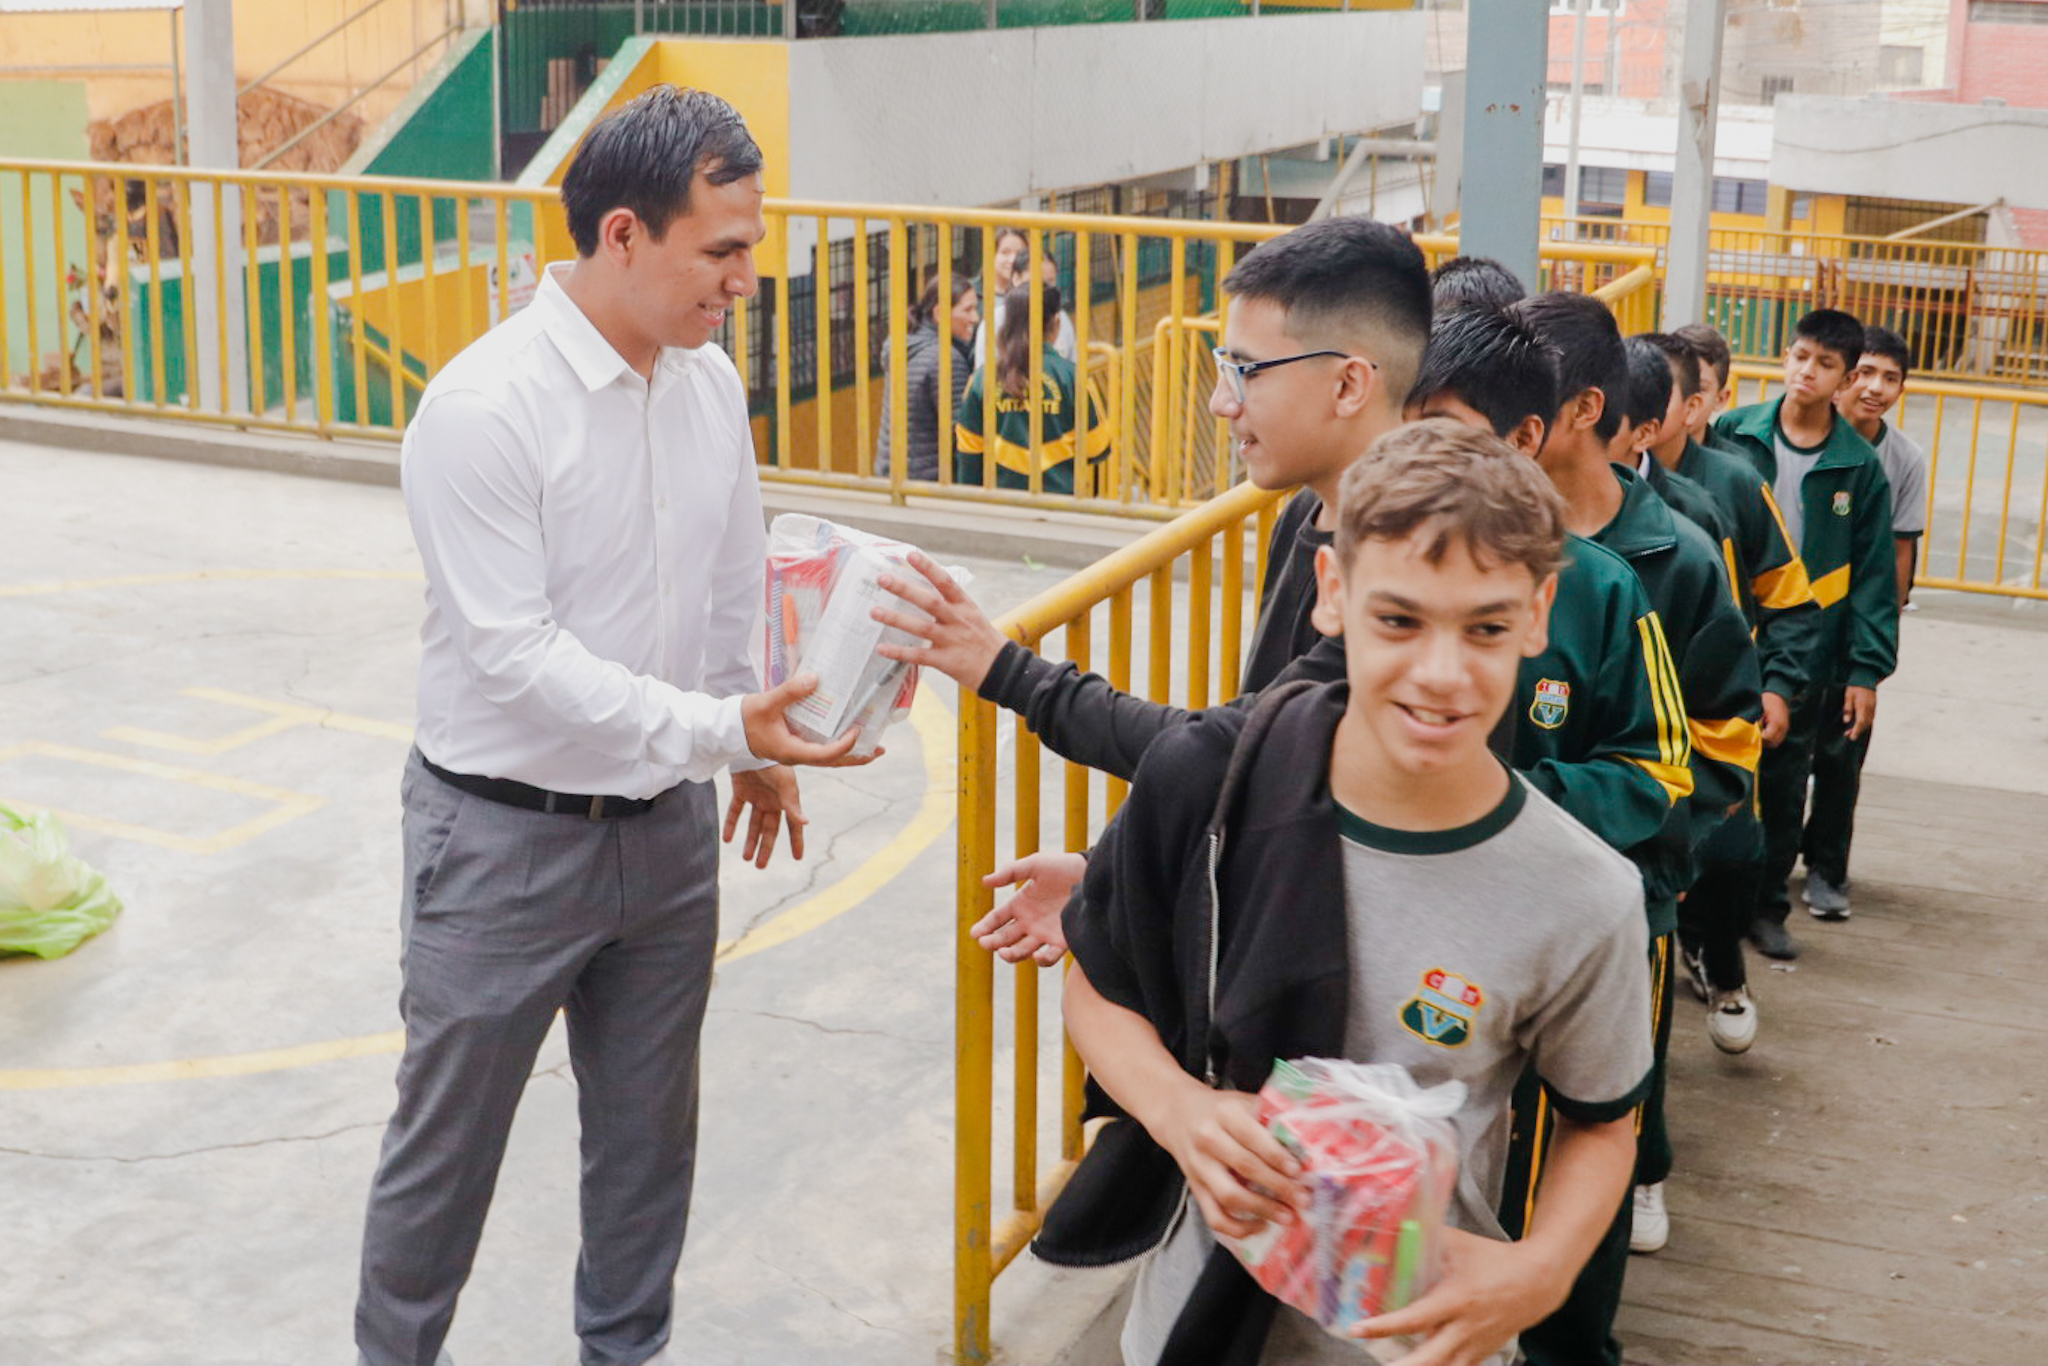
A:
(595, 559)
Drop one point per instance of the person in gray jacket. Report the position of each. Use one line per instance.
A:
(921, 434)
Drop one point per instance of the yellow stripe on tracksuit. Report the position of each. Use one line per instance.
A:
(1673, 766)
(1830, 589)
(1735, 741)
(1787, 585)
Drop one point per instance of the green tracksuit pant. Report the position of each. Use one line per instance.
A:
(1837, 780)
(1581, 1331)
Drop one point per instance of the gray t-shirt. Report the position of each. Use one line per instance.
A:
(1794, 464)
(1905, 465)
(1516, 940)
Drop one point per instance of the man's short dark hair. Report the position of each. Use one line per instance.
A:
(1345, 282)
(1684, 361)
(644, 157)
(1711, 348)
(1579, 328)
(1882, 341)
(1475, 282)
(1833, 330)
(1649, 382)
(1493, 363)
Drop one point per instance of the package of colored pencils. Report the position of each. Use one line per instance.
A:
(1380, 1160)
(822, 590)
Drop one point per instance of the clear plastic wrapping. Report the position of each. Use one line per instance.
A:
(1380, 1158)
(822, 590)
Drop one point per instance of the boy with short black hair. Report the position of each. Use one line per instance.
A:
(1651, 404)
(1777, 601)
(1259, 900)
(1873, 386)
(1475, 282)
(1717, 363)
(1831, 487)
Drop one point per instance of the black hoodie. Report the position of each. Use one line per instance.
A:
(1256, 886)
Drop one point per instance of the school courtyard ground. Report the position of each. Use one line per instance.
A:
(212, 669)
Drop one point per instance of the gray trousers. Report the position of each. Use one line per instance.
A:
(509, 916)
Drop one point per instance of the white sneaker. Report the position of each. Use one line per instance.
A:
(1732, 1020)
(1651, 1228)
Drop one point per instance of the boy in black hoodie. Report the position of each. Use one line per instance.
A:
(1366, 843)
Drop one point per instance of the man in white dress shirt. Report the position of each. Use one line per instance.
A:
(581, 484)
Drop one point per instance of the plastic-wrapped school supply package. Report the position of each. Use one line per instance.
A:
(1380, 1159)
(822, 590)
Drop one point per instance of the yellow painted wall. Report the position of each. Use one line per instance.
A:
(266, 32)
(415, 299)
(753, 76)
(1827, 213)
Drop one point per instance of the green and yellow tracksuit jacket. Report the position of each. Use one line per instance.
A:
(1688, 499)
(1769, 577)
(1063, 433)
(1846, 545)
(1599, 721)
(1715, 674)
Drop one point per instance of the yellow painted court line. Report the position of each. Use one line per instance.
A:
(288, 805)
(935, 731)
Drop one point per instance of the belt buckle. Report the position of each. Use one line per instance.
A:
(597, 808)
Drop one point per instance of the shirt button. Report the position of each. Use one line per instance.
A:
(665, 590)
(662, 504)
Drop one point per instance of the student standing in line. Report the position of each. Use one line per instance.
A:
(1716, 365)
(1651, 399)
(1874, 385)
(1326, 852)
(1714, 692)
(1837, 503)
(1777, 601)
(581, 484)
(1073, 435)
(926, 410)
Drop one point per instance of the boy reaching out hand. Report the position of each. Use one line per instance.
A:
(1285, 878)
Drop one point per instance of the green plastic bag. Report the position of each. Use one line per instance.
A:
(50, 900)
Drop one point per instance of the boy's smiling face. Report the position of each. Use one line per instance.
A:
(1432, 650)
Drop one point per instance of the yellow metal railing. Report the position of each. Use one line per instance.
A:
(357, 287)
(1987, 479)
(1969, 311)
(1217, 550)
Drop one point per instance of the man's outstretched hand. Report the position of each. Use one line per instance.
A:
(769, 735)
(1028, 924)
(772, 793)
(963, 643)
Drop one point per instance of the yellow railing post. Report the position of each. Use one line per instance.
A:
(973, 1034)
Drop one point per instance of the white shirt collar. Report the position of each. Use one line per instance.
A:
(596, 361)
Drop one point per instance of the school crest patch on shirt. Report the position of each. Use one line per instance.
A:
(1841, 504)
(1553, 700)
(1444, 1010)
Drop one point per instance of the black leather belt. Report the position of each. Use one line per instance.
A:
(510, 792)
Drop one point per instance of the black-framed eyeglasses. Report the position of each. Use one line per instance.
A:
(1240, 372)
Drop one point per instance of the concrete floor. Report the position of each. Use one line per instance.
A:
(216, 667)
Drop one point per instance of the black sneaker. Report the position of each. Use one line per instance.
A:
(1772, 940)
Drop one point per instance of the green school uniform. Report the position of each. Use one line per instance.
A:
(1599, 721)
(1062, 432)
(1681, 571)
(1846, 545)
(1769, 576)
(1687, 499)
